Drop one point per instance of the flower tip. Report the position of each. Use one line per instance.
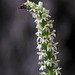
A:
(22, 6)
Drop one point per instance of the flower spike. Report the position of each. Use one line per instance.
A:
(45, 38)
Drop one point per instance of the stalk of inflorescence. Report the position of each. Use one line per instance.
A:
(46, 46)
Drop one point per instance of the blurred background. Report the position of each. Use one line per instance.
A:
(18, 41)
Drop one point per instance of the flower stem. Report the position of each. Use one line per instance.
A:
(51, 71)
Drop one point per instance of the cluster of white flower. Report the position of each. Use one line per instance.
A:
(45, 41)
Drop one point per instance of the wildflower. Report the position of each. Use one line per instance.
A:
(46, 27)
(51, 38)
(38, 33)
(55, 55)
(34, 15)
(44, 39)
(42, 54)
(38, 26)
(42, 66)
(39, 39)
(51, 23)
(50, 47)
(58, 71)
(39, 45)
(56, 63)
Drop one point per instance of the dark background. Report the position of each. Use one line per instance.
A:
(18, 41)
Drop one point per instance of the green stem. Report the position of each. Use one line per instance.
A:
(51, 71)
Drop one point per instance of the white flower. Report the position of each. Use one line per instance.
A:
(48, 15)
(43, 73)
(38, 21)
(52, 47)
(53, 34)
(39, 46)
(42, 54)
(46, 27)
(56, 63)
(34, 15)
(55, 45)
(38, 26)
(44, 39)
(38, 33)
(49, 47)
(55, 55)
(39, 39)
(51, 23)
(42, 66)
(44, 16)
(58, 71)
(51, 38)
(49, 62)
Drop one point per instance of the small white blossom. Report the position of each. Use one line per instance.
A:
(44, 39)
(46, 27)
(49, 62)
(51, 23)
(58, 71)
(38, 21)
(34, 15)
(53, 34)
(42, 66)
(42, 54)
(55, 55)
(38, 33)
(51, 38)
(55, 45)
(56, 63)
(49, 47)
(38, 26)
(39, 46)
(39, 39)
